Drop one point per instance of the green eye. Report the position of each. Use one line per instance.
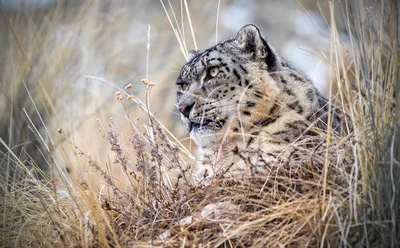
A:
(184, 86)
(181, 83)
(212, 72)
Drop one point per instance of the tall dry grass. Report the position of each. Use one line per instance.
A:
(141, 192)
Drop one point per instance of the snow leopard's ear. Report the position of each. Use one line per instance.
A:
(250, 40)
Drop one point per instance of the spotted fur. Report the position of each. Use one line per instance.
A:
(244, 106)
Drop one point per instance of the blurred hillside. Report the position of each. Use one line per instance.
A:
(55, 51)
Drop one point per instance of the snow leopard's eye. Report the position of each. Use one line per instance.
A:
(184, 86)
(212, 72)
(182, 83)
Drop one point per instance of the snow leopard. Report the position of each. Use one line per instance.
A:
(245, 106)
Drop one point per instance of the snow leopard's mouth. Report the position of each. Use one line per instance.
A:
(205, 132)
(204, 125)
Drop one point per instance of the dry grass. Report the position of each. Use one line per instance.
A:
(343, 194)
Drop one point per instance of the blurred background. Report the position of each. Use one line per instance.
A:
(61, 63)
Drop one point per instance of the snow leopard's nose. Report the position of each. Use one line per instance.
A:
(185, 109)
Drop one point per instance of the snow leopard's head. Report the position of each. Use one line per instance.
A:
(221, 86)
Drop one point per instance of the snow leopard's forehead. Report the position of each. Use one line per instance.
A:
(223, 52)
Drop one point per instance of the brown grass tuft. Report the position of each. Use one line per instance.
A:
(344, 193)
